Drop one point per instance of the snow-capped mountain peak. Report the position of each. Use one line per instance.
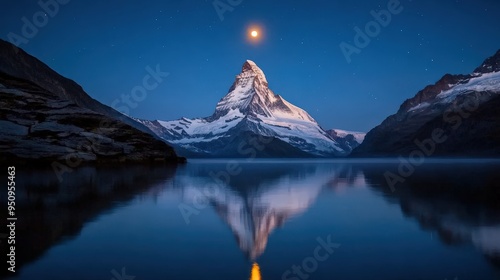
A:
(251, 95)
(250, 66)
(250, 109)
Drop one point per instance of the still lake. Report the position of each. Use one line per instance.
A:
(260, 219)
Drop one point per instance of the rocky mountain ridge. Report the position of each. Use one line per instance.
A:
(462, 109)
(45, 117)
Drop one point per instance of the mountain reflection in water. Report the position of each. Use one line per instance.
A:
(253, 206)
(51, 211)
(457, 202)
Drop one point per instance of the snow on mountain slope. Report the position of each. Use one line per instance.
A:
(250, 106)
(474, 132)
(348, 140)
(480, 82)
(251, 95)
(358, 136)
(203, 127)
(485, 78)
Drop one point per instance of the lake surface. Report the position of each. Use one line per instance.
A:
(261, 219)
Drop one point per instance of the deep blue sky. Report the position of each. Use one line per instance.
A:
(106, 45)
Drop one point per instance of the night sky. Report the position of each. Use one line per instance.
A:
(105, 46)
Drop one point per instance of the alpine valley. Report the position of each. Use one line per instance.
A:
(251, 120)
(45, 117)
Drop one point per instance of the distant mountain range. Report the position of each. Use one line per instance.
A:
(348, 140)
(457, 116)
(251, 120)
(46, 117)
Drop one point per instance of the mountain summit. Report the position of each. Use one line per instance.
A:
(251, 95)
(250, 112)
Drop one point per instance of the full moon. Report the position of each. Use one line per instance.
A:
(254, 34)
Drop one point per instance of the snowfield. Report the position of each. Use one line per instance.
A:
(484, 82)
(478, 83)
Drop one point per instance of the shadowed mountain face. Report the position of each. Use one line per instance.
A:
(51, 211)
(458, 114)
(17, 63)
(46, 117)
(253, 110)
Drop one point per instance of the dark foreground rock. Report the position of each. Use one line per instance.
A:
(53, 120)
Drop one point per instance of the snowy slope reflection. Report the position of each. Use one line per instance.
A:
(253, 206)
